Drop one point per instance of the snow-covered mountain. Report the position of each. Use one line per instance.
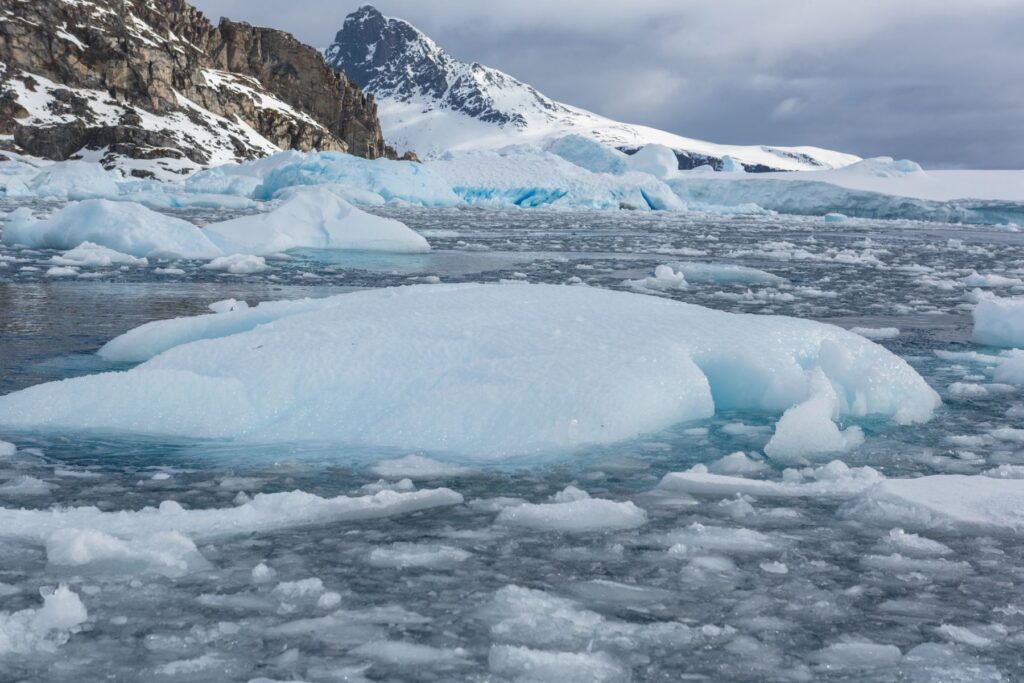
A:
(430, 102)
(151, 87)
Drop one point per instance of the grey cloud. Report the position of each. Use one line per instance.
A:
(937, 81)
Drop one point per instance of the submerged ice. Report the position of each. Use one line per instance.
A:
(483, 371)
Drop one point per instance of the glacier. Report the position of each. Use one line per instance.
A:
(569, 172)
(481, 371)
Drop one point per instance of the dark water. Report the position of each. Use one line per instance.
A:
(616, 605)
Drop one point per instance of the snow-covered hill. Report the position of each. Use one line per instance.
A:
(432, 103)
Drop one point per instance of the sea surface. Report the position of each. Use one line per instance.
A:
(762, 589)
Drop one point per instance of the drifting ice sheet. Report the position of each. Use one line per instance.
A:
(1000, 322)
(482, 370)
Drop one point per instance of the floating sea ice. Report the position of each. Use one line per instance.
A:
(724, 274)
(991, 280)
(92, 255)
(737, 463)
(7, 449)
(947, 502)
(61, 271)
(484, 371)
(405, 654)
(314, 218)
(857, 655)
(835, 218)
(526, 665)
(808, 429)
(228, 305)
(418, 555)
(999, 322)
(574, 511)
(43, 629)
(265, 512)
(168, 553)
(664, 280)
(420, 468)
(876, 333)
(834, 480)
(238, 264)
(122, 226)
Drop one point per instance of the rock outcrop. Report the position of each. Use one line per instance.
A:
(129, 80)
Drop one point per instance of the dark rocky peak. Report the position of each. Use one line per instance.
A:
(155, 79)
(391, 58)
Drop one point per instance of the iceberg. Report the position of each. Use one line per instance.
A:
(527, 177)
(366, 181)
(74, 180)
(92, 255)
(314, 218)
(125, 227)
(878, 188)
(999, 322)
(485, 371)
(589, 154)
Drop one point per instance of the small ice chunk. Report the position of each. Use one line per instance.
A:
(948, 502)
(737, 463)
(807, 429)
(228, 305)
(261, 573)
(543, 666)
(43, 629)
(61, 271)
(302, 589)
(581, 516)
(88, 254)
(834, 480)
(238, 264)
(876, 333)
(835, 218)
(912, 544)
(25, 485)
(999, 322)
(664, 280)
(7, 449)
(418, 555)
(722, 539)
(405, 654)
(420, 468)
(167, 553)
(774, 568)
(858, 655)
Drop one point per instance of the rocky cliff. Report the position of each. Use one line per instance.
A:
(152, 86)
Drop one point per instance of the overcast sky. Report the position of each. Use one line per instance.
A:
(937, 81)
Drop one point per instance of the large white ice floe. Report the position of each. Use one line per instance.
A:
(314, 218)
(1000, 322)
(125, 227)
(481, 370)
(946, 502)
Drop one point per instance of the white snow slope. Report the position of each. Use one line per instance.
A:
(432, 103)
